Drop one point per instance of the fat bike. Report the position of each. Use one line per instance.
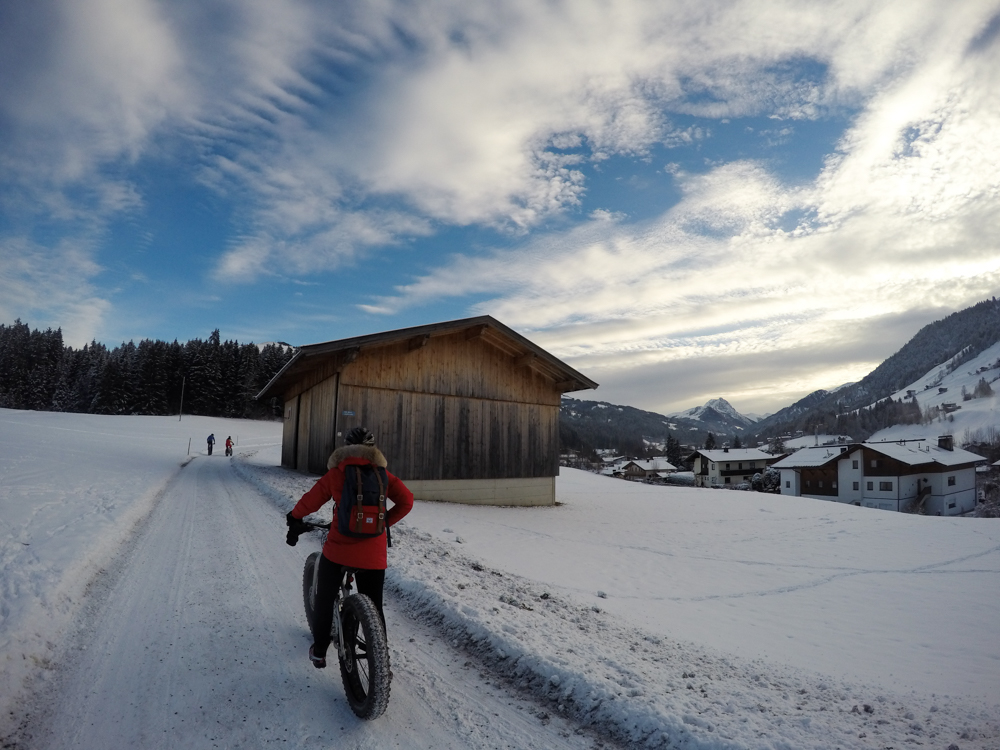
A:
(359, 636)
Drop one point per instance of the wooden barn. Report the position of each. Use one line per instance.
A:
(465, 411)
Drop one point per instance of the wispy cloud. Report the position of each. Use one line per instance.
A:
(53, 285)
(904, 215)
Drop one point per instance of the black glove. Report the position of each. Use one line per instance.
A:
(295, 529)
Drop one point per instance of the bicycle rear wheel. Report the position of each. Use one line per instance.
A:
(365, 668)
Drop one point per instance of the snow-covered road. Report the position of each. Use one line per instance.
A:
(195, 638)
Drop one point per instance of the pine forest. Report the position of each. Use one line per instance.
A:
(218, 378)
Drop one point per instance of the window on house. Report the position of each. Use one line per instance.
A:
(951, 481)
(951, 505)
(833, 484)
(856, 486)
(728, 480)
(807, 484)
(753, 464)
(713, 467)
(885, 486)
(788, 484)
(854, 465)
(871, 485)
(820, 484)
(727, 467)
(739, 466)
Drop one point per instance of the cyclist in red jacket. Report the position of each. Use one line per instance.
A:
(368, 555)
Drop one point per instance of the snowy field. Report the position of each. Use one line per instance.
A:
(630, 615)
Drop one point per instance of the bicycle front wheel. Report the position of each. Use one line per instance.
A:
(307, 593)
(365, 666)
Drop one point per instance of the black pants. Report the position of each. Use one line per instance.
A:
(210, 449)
(367, 582)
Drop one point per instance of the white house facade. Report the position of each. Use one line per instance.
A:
(906, 475)
(728, 466)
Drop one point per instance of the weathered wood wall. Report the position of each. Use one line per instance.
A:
(289, 432)
(448, 407)
(303, 438)
(427, 436)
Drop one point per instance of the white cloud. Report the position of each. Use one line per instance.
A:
(461, 109)
(52, 285)
(464, 103)
(905, 215)
(85, 88)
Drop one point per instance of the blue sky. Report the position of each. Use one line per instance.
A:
(741, 199)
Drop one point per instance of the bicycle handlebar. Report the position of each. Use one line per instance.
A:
(324, 526)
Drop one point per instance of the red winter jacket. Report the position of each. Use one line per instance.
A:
(364, 553)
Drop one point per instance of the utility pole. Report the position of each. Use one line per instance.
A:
(181, 410)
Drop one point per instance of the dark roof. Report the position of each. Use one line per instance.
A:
(311, 356)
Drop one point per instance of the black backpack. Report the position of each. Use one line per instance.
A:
(361, 510)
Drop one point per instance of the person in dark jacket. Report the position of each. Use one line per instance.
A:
(367, 554)
(211, 443)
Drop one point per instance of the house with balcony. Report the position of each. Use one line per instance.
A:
(728, 466)
(907, 475)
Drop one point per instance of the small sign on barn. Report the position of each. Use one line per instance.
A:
(465, 410)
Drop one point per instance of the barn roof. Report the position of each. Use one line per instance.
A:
(312, 356)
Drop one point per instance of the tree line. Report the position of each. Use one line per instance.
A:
(218, 378)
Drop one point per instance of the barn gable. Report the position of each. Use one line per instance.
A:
(465, 410)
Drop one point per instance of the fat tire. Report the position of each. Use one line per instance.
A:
(362, 624)
(307, 580)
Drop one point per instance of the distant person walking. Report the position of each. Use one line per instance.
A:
(229, 445)
(211, 442)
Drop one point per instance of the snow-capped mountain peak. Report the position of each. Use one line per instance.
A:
(723, 407)
(717, 413)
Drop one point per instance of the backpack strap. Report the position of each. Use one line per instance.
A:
(359, 505)
(381, 502)
(358, 508)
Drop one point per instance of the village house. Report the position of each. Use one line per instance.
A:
(465, 410)
(653, 468)
(728, 466)
(907, 475)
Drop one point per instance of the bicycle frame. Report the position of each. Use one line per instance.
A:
(346, 582)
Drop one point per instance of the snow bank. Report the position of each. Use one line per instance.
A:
(72, 489)
(645, 690)
(565, 607)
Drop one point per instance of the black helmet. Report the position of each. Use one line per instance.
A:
(359, 436)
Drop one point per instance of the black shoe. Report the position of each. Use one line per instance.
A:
(317, 661)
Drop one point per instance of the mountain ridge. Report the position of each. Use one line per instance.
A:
(858, 409)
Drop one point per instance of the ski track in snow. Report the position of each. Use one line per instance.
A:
(195, 637)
